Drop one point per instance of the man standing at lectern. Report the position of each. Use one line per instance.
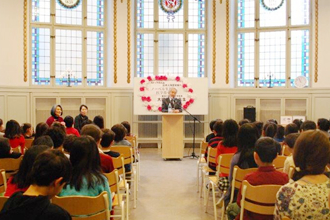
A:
(175, 102)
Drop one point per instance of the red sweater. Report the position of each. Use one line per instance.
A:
(12, 188)
(221, 149)
(18, 141)
(106, 163)
(51, 120)
(72, 131)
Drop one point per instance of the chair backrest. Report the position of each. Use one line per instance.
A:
(203, 147)
(285, 151)
(10, 165)
(279, 161)
(17, 149)
(291, 172)
(286, 218)
(131, 139)
(3, 200)
(118, 163)
(224, 163)
(238, 176)
(113, 180)
(28, 143)
(85, 207)
(3, 181)
(258, 199)
(126, 151)
(211, 155)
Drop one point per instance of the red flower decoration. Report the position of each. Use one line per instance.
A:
(149, 107)
(160, 109)
(148, 99)
(142, 81)
(191, 101)
(187, 103)
(185, 106)
(191, 90)
(149, 78)
(143, 98)
(165, 78)
(141, 89)
(184, 85)
(177, 78)
(157, 77)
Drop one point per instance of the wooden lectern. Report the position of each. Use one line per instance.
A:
(172, 136)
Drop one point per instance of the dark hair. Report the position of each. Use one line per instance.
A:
(93, 131)
(68, 121)
(86, 122)
(229, 133)
(323, 124)
(279, 132)
(52, 111)
(212, 124)
(13, 129)
(217, 127)
(41, 128)
(49, 166)
(246, 139)
(25, 127)
(83, 105)
(119, 131)
(44, 140)
(259, 125)
(243, 121)
(107, 137)
(298, 122)
(99, 121)
(57, 135)
(68, 142)
(21, 178)
(4, 148)
(291, 128)
(127, 126)
(269, 129)
(311, 153)
(308, 125)
(290, 139)
(85, 160)
(272, 121)
(266, 148)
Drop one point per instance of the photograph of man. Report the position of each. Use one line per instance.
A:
(172, 102)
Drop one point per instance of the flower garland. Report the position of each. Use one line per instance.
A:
(156, 107)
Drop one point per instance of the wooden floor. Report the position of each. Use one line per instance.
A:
(167, 189)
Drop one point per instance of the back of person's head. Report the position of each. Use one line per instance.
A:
(93, 131)
(298, 122)
(311, 153)
(259, 125)
(266, 148)
(291, 128)
(119, 131)
(12, 129)
(127, 126)
(308, 125)
(229, 133)
(107, 138)
(86, 122)
(290, 139)
(21, 178)
(279, 132)
(99, 121)
(246, 139)
(57, 135)
(25, 127)
(41, 129)
(323, 124)
(68, 121)
(272, 121)
(68, 142)
(270, 129)
(49, 166)
(85, 160)
(44, 140)
(217, 127)
(243, 121)
(4, 148)
(58, 125)
(212, 124)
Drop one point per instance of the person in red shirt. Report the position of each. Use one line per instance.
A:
(14, 134)
(264, 155)
(69, 129)
(56, 115)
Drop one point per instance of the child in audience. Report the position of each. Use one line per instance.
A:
(69, 129)
(41, 129)
(81, 118)
(269, 130)
(57, 134)
(5, 149)
(99, 121)
(213, 142)
(13, 133)
(128, 128)
(20, 181)
(279, 136)
(308, 196)
(43, 140)
(211, 135)
(120, 132)
(259, 125)
(87, 178)
(289, 142)
(50, 172)
(67, 144)
(290, 128)
(323, 124)
(298, 122)
(307, 125)
(107, 141)
(2, 130)
(27, 131)
(243, 121)
(264, 155)
(56, 115)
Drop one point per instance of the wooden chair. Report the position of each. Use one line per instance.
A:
(10, 165)
(127, 152)
(286, 218)
(85, 207)
(117, 201)
(211, 158)
(137, 159)
(285, 151)
(3, 200)
(258, 199)
(3, 181)
(201, 161)
(28, 143)
(223, 167)
(17, 149)
(279, 161)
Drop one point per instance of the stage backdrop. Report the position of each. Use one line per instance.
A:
(149, 92)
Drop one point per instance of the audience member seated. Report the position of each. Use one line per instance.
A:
(99, 121)
(41, 129)
(323, 124)
(307, 125)
(68, 143)
(43, 140)
(81, 118)
(69, 129)
(21, 181)
(259, 125)
(27, 131)
(5, 149)
(107, 141)
(13, 133)
(96, 133)
(289, 142)
(269, 130)
(87, 122)
(246, 139)
(272, 121)
(265, 153)
(211, 135)
(291, 128)
(57, 135)
(279, 136)
(243, 121)
(298, 122)
(128, 128)
(2, 130)
(120, 132)
(56, 115)
(87, 178)
(213, 142)
(50, 172)
(308, 196)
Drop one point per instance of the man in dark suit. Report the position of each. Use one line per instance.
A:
(175, 102)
